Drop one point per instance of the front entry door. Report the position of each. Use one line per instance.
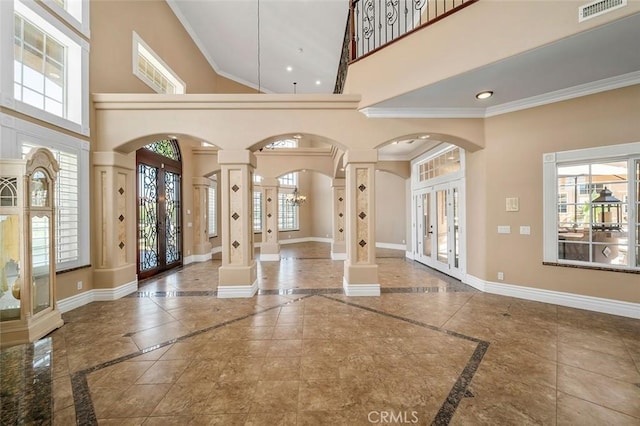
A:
(159, 219)
(438, 230)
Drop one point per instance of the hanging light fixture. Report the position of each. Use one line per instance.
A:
(295, 199)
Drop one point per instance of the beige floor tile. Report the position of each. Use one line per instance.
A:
(163, 372)
(621, 368)
(275, 396)
(575, 411)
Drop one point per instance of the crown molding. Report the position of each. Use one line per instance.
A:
(586, 89)
(196, 40)
(578, 91)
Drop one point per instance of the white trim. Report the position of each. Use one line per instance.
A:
(141, 48)
(236, 291)
(215, 250)
(404, 112)
(578, 91)
(96, 295)
(269, 257)
(392, 246)
(80, 23)
(586, 89)
(409, 255)
(360, 289)
(196, 258)
(579, 301)
(338, 256)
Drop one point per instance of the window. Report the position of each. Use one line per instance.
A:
(444, 163)
(148, 67)
(47, 76)
(284, 143)
(75, 12)
(288, 214)
(72, 208)
(212, 208)
(257, 211)
(593, 218)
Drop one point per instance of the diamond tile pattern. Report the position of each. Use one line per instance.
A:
(340, 214)
(121, 218)
(362, 215)
(235, 216)
(340, 199)
(121, 245)
(268, 214)
(362, 243)
(235, 244)
(362, 187)
(235, 188)
(268, 231)
(121, 190)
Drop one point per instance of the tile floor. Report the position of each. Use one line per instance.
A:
(429, 350)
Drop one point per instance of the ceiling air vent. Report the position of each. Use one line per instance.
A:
(599, 7)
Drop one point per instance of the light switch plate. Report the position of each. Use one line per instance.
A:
(513, 204)
(504, 229)
(525, 230)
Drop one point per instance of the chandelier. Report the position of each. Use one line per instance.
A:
(296, 198)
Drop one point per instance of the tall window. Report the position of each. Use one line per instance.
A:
(287, 212)
(442, 164)
(148, 67)
(257, 211)
(212, 208)
(49, 67)
(595, 217)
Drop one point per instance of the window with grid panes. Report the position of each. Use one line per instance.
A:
(212, 208)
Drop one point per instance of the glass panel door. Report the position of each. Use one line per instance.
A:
(442, 227)
(427, 225)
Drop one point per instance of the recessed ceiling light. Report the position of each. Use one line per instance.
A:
(297, 136)
(289, 69)
(424, 137)
(172, 136)
(395, 142)
(342, 169)
(484, 95)
(318, 83)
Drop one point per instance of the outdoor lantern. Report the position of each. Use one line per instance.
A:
(606, 211)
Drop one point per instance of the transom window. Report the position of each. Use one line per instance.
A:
(442, 164)
(284, 143)
(596, 207)
(152, 70)
(166, 147)
(290, 179)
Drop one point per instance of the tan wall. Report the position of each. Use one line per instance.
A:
(390, 208)
(112, 24)
(67, 282)
(513, 168)
(507, 27)
(322, 205)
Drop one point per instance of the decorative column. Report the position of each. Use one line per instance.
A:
(237, 275)
(360, 268)
(201, 244)
(114, 226)
(270, 247)
(338, 246)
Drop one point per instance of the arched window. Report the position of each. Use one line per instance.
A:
(166, 147)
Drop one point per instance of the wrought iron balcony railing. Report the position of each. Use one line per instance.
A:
(376, 23)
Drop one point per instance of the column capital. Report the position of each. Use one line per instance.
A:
(360, 156)
(270, 181)
(240, 156)
(201, 181)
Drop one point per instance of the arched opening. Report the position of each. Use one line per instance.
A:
(159, 198)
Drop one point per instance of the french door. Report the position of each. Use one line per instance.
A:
(159, 218)
(438, 228)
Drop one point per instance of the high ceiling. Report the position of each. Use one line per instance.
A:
(255, 42)
(305, 35)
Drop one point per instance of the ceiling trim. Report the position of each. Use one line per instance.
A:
(196, 40)
(586, 89)
(393, 112)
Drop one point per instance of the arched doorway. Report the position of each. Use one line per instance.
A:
(159, 233)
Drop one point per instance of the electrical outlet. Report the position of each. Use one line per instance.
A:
(501, 276)
(79, 285)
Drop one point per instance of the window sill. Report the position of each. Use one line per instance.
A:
(64, 271)
(595, 268)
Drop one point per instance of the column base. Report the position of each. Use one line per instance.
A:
(360, 280)
(269, 257)
(237, 281)
(270, 252)
(338, 256)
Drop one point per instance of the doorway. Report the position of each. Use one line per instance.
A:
(158, 207)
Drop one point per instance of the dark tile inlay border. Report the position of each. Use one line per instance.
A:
(85, 414)
(25, 383)
(459, 389)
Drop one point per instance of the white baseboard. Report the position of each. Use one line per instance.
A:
(338, 256)
(392, 246)
(269, 257)
(196, 258)
(409, 255)
(360, 289)
(579, 301)
(96, 295)
(237, 291)
(215, 250)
